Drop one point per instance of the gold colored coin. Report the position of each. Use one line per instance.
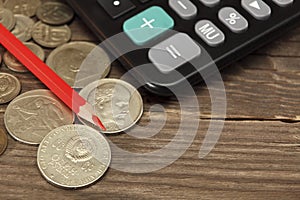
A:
(73, 156)
(10, 87)
(54, 13)
(23, 7)
(13, 64)
(3, 141)
(50, 36)
(117, 103)
(70, 63)
(32, 115)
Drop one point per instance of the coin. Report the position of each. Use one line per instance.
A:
(50, 36)
(54, 13)
(13, 64)
(24, 7)
(36, 49)
(117, 103)
(10, 87)
(67, 60)
(3, 141)
(23, 27)
(7, 18)
(73, 156)
(32, 115)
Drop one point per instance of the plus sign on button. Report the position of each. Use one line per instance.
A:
(147, 25)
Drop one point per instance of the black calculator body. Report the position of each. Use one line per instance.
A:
(206, 32)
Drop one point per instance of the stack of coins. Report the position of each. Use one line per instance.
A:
(69, 155)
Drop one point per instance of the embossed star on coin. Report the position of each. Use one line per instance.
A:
(7, 18)
(67, 59)
(23, 27)
(32, 115)
(24, 7)
(3, 141)
(55, 13)
(50, 36)
(73, 156)
(10, 87)
(117, 103)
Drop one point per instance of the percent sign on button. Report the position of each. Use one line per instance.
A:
(232, 18)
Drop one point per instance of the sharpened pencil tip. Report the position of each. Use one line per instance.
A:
(98, 122)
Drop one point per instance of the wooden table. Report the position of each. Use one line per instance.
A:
(256, 157)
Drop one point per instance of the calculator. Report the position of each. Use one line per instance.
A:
(179, 40)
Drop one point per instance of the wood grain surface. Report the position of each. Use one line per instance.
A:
(256, 157)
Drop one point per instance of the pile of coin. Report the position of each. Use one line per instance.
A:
(69, 155)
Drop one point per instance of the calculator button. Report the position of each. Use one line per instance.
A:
(208, 32)
(257, 8)
(233, 20)
(116, 8)
(174, 52)
(147, 25)
(184, 8)
(283, 3)
(210, 3)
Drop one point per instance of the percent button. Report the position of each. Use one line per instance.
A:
(233, 20)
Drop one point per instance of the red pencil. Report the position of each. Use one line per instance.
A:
(57, 85)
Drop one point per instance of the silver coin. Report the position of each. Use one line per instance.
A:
(7, 18)
(54, 13)
(10, 87)
(73, 156)
(50, 36)
(23, 27)
(23, 7)
(117, 103)
(32, 115)
(67, 61)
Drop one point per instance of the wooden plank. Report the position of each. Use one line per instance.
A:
(251, 159)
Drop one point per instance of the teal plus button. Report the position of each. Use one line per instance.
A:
(147, 25)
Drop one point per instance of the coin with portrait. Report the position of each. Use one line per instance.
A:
(73, 156)
(24, 7)
(7, 18)
(10, 87)
(70, 59)
(3, 141)
(23, 27)
(117, 103)
(50, 36)
(32, 115)
(54, 13)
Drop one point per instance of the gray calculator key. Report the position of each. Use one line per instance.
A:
(283, 3)
(210, 3)
(233, 20)
(209, 33)
(184, 8)
(174, 52)
(257, 8)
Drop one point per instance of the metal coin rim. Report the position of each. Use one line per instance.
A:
(45, 44)
(2, 132)
(20, 97)
(67, 20)
(60, 48)
(77, 186)
(19, 87)
(90, 87)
